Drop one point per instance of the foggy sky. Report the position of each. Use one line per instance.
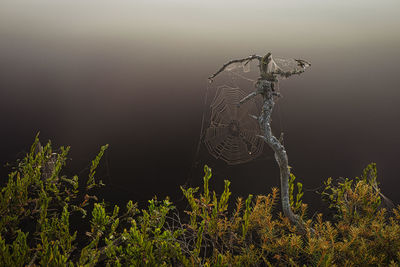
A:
(133, 74)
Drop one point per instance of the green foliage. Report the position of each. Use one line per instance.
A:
(91, 182)
(246, 216)
(148, 241)
(354, 200)
(16, 253)
(295, 201)
(38, 200)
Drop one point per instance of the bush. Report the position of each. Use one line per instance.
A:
(38, 202)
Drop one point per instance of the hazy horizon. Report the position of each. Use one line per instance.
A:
(133, 74)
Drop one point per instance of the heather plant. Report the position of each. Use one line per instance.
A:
(35, 209)
(38, 204)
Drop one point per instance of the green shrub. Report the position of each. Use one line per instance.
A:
(37, 202)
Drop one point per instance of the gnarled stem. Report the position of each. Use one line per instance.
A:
(265, 87)
(281, 157)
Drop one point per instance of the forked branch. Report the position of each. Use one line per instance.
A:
(247, 60)
(265, 87)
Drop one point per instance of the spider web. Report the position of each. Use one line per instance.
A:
(232, 134)
(286, 67)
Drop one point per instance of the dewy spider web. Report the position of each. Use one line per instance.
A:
(232, 134)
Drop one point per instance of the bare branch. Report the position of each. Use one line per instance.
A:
(31, 263)
(248, 97)
(248, 59)
(262, 137)
(253, 116)
(269, 72)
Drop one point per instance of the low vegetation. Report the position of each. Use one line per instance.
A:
(49, 219)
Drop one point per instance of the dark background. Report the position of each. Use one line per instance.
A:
(134, 75)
